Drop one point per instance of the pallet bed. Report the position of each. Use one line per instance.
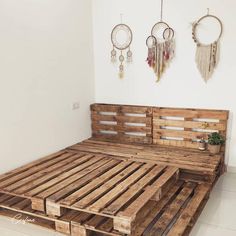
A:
(141, 163)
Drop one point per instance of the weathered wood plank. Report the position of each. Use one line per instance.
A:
(192, 113)
(190, 124)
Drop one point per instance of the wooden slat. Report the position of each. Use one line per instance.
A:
(176, 143)
(81, 217)
(180, 134)
(95, 221)
(4, 197)
(107, 226)
(22, 204)
(190, 124)
(192, 113)
(124, 118)
(104, 107)
(125, 138)
(124, 128)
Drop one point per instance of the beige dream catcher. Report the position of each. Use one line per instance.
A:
(161, 46)
(121, 38)
(207, 55)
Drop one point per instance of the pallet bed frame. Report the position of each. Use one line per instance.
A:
(141, 163)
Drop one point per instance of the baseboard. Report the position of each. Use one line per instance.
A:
(231, 169)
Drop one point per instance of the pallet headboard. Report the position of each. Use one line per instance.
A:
(156, 125)
(122, 123)
(186, 127)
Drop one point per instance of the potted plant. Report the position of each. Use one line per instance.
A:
(215, 140)
(202, 144)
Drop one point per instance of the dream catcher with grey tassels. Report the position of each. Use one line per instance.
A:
(121, 38)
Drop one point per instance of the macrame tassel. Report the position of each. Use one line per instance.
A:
(129, 56)
(113, 55)
(121, 71)
(159, 57)
(207, 57)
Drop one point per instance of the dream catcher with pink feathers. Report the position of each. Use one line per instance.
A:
(161, 46)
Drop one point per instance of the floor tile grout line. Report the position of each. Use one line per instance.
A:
(223, 190)
(215, 225)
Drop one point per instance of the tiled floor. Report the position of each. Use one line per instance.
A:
(217, 219)
(219, 216)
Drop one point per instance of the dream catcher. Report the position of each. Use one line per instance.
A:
(121, 38)
(161, 45)
(207, 55)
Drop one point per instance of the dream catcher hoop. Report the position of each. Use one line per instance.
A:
(207, 55)
(121, 38)
(161, 45)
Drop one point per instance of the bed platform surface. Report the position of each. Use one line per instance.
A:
(94, 178)
(193, 164)
(130, 178)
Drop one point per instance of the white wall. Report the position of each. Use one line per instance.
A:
(181, 86)
(46, 64)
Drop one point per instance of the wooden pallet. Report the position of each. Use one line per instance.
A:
(122, 123)
(194, 165)
(119, 193)
(96, 184)
(175, 214)
(186, 127)
(31, 180)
